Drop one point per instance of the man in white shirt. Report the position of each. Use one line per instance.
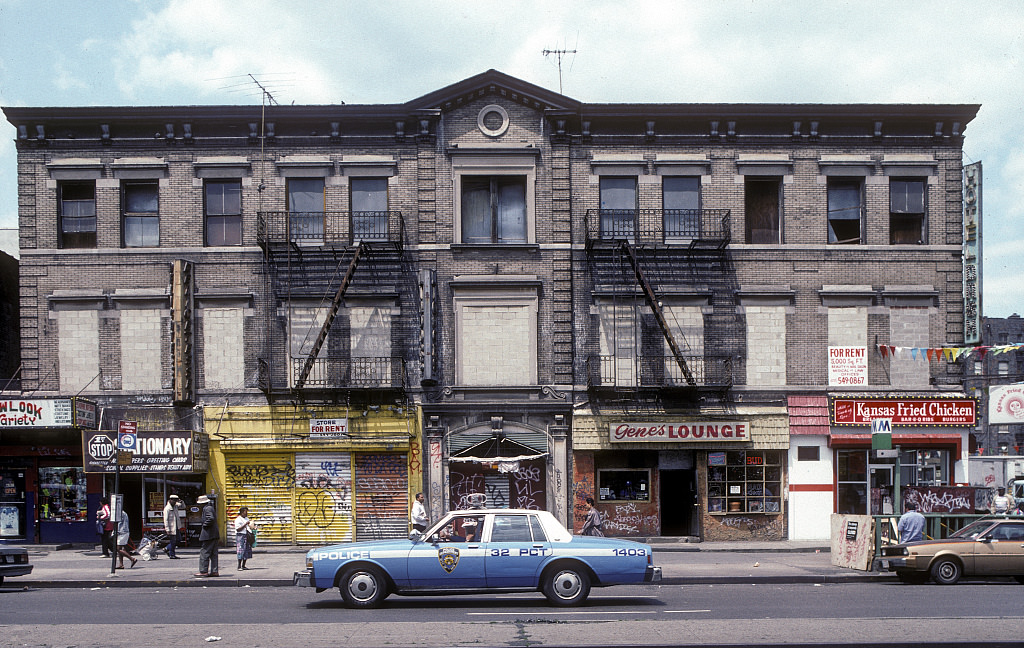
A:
(171, 525)
(1000, 503)
(419, 514)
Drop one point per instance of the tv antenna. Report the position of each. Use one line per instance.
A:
(559, 53)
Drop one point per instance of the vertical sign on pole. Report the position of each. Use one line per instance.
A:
(881, 434)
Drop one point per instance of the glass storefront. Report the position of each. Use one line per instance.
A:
(864, 487)
(62, 494)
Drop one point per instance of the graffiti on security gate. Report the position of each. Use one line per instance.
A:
(940, 499)
(267, 475)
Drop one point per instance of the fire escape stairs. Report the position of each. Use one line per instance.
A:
(659, 316)
(329, 320)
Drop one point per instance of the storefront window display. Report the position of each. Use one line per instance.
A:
(62, 496)
(856, 479)
(625, 485)
(745, 481)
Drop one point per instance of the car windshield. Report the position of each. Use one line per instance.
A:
(973, 530)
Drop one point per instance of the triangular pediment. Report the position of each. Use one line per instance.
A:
(492, 83)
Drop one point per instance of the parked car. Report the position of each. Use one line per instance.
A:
(480, 550)
(986, 547)
(13, 562)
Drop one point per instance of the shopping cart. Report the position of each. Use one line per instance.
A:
(151, 544)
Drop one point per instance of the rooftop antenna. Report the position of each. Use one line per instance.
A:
(266, 96)
(559, 53)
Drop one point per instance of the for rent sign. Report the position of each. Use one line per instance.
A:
(685, 431)
(904, 411)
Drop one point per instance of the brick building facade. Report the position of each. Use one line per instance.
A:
(497, 289)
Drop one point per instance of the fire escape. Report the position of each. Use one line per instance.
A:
(313, 263)
(642, 263)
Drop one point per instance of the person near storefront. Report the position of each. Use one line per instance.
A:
(911, 524)
(103, 516)
(243, 537)
(1000, 503)
(171, 526)
(123, 533)
(209, 538)
(419, 514)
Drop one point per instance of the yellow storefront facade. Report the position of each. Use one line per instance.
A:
(314, 475)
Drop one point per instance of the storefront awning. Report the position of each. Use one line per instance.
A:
(918, 440)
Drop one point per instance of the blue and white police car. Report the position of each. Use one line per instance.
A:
(480, 550)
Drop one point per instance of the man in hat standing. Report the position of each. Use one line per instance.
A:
(209, 538)
(171, 526)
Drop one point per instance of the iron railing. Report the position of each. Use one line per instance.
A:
(653, 370)
(663, 226)
(330, 228)
(381, 372)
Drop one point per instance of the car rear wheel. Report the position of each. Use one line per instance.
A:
(566, 586)
(946, 571)
(363, 587)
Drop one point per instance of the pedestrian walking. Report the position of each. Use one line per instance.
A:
(171, 526)
(209, 538)
(103, 517)
(244, 537)
(911, 524)
(592, 525)
(123, 533)
(419, 514)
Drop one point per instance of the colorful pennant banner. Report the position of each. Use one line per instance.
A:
(949, 354)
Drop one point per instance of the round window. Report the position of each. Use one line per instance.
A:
(492, 120)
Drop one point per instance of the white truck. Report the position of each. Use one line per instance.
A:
(995, 471)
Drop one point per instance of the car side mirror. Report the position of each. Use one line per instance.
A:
(415, 536)
(986, 539)
(434, 539)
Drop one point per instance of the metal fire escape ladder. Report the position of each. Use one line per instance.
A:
(652, 302)
(326, 328)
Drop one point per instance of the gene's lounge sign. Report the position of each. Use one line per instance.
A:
(679, 431)
(904, 411)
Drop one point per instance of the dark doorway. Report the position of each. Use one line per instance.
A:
(677, 497)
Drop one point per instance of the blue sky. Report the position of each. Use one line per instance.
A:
(181, 52)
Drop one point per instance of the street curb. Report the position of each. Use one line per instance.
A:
(824, 579)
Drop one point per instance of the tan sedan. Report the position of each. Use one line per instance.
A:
(987, 547)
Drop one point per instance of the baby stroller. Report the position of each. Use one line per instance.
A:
(151, 544)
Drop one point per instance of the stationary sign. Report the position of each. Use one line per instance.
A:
(163, 451)
(848, 366)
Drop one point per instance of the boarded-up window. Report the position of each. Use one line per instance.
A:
(761, 201)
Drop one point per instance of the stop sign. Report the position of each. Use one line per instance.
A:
(101, 447)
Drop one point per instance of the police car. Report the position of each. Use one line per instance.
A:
(480, 550)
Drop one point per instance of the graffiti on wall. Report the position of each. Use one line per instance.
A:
(528, 486)
(324, 491)
(630, 519)
(265, 475)
(582, 487)
(382, 494)
(940, 499)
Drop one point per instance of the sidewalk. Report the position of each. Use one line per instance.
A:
(682, 563)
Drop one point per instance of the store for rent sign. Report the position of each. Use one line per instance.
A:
(904, 411)
(679, 431)
(847, 366)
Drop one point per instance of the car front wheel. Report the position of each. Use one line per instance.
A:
(566, 586)
(946, 571)
(363, 587)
